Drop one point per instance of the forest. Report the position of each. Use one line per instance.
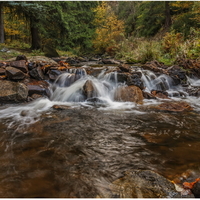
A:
(134, 31)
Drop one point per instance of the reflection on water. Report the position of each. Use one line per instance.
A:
(78, 152)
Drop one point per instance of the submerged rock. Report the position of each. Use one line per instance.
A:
(129, 93)
(142, 184)
(12, 91)
(174, 106)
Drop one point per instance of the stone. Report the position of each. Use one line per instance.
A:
(174, 106)
(160, 94)
(110, 61)
(14, 74)
(53, 74)
(177, 74)
(135, 79)
(38, 87)
(60, 107)
(142, 184)
(2, 71)
(46, 60)
(147, 95)
(89, 89)
(12, 91)
(196, 189)
(37, 73)
(124, 68)
(21, 57)
(20, 64)
(129, 93)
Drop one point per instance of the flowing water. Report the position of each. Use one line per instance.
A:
(81, 148)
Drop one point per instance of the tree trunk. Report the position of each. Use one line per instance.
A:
(2, 39)
(168, 20)
(35, 42)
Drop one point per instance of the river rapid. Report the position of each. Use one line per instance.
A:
(69, 147)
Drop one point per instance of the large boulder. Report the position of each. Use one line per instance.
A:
(89, 89)
(14, 74)
(20, 64)
(141, 184)
(12, 91)
(129, 93)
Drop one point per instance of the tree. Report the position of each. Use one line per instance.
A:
(1, 24)
(109, 29)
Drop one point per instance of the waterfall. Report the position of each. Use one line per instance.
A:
(69, 87)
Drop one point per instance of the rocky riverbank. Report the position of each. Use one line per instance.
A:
(25, 79)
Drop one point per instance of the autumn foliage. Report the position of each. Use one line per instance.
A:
(109, 30)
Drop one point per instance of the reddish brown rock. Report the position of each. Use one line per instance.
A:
(20, 64)
(174, 106)
(14, 74)
(160, 94)
(129, 93)
(89, 89)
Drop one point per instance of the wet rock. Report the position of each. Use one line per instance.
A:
(36, 96)
(135, 79)
(174, 106)
(14, 74)
(53, 74)
(196, 189)
(37, 73)
(60, 107)
(177, 74)
(122, 77)
(193, 91)
(147, 95)
(143, 184)
(94, 71)
(20, 64)
(89, 89)
(160, 94)
(21, 57)
(38, 87)
(129, 93)
(155, 66)
(124, 68)
(12, 91)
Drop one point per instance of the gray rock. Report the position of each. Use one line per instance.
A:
(37, 73)
(12, 91)
(19, 64)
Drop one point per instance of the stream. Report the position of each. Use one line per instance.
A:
(79, 149)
